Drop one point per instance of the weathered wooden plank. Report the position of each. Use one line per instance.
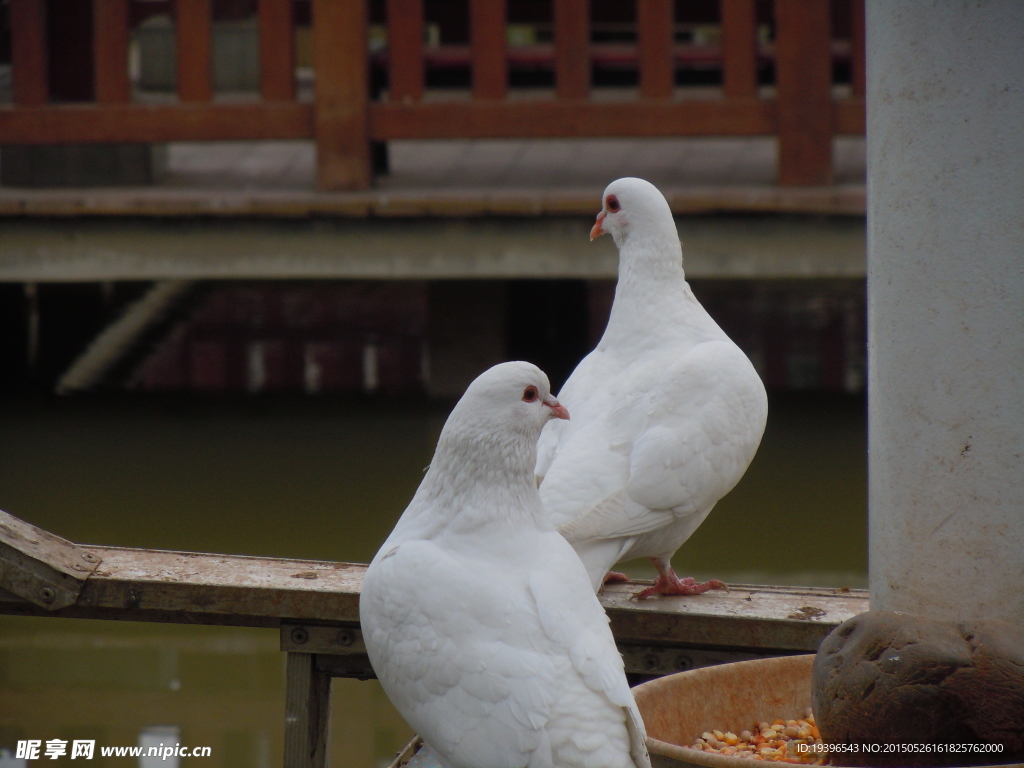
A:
(846, 200)
(559, 119)
(83, 123)
(196, 588)
(30, 82)
(748, 617)
(405, 50)
(40, 567)
(656, 38)
(572, 49)
(339, 58)
(487, 42)
(857, 72)
(277, 50)
(110, 51)
(803, 72)
(307, 720)
(194, 41)
(739, 49)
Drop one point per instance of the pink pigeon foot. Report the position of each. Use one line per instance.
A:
(614, 577)
(670, 584)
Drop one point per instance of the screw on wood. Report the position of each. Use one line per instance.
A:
(89, 557)
(47, 594)
(345, 637)
(299, 636)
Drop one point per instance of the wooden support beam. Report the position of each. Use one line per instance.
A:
(113, 123)
(194, 40)
(655, 20)
(110, 51)
(342, 99)
(29, 52)
(857, 71)
(739, 49)
(405, 50)
(487, 42)
(44, 569)
(277, 50)
(572, 49)
(803, 72)
(307, 719)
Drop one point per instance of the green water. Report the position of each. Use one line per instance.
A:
(316, 478)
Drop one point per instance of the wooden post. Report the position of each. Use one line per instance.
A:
(656, 38)
(277, 50)
(405, 50)
(857, 72)
(572, 49)
(803, 74)
(194, 41)
(487, 39)
(739, 49)
(28, 52)
(110, 51)
(342, 99)
(307, 711)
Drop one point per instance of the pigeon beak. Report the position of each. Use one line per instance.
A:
(556, 407)
(597, 229)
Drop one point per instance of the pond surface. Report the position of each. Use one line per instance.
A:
(322, 479)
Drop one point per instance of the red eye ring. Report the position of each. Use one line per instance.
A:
(529, 394)
(613, 203)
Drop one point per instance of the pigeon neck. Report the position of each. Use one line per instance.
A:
(484, 477)
(650, 283)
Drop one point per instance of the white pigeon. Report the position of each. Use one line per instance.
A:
(667, 411)
(478, 617)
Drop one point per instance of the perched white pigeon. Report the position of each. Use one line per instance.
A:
(667, 411)
(479, 618)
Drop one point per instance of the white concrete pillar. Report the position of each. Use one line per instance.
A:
(945, 94)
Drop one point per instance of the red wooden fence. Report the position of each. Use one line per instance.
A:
(343, 119)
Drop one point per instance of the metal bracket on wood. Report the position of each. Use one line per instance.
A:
(339, 651)
(41, 567)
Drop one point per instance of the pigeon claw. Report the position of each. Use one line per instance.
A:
(668, 584)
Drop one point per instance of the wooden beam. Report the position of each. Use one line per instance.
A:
(405, 50)
(849, 117)
(307, 719)
(110, 51)
(29, 75)
(656, 38)
(739, 49)
(194, 40)
(87, 124)
(487, 42)
(857, 71)
(277, 50)
(44, 569)
(803, 73)
(554, 119)
(342, 99)
(572, 49)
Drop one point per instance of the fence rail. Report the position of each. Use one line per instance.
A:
(343, 118)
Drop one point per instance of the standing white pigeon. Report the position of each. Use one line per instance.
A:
(478, 617)
(667, 411)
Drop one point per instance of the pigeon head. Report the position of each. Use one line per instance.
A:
(633, 209)
(493, 429)
(511, 396)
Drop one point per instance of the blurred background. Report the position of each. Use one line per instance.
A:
(229, 324)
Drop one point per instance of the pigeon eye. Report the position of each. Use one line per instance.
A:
(530, 394)
(612, 203)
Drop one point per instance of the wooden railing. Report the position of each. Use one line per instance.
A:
(315, 606)
(343, 119)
